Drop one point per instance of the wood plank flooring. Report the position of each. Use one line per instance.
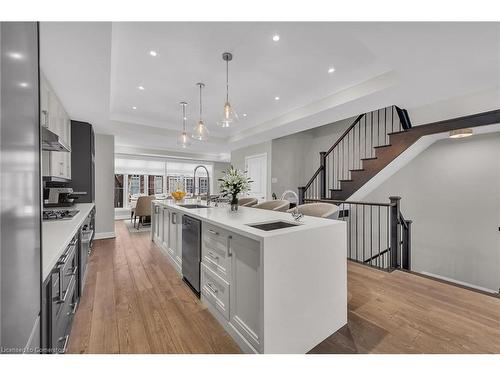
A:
(135, 302)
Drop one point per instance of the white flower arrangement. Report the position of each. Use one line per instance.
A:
(234, 182)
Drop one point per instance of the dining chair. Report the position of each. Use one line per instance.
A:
(316, 209)
(274, 205)
(247, 202)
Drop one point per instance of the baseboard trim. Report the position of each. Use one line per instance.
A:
(462, 284)
(104, 235)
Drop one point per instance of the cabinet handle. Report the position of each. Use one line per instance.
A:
(63, 299)
(212, 289)
(213, 232)
(65, 346)
(75, 306)
(229, 252)
(45, 118)
(174, 218)
(73, 272)
(213, 256)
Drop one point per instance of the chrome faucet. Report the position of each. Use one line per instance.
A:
(208, 182)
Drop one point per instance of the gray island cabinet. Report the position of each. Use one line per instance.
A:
(277, 291)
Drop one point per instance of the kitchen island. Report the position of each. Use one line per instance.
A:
(274, 291)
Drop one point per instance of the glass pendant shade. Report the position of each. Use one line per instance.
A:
(200, 131)
(184, 140)
(229, 116)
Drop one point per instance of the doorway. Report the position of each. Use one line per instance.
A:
(256, 167)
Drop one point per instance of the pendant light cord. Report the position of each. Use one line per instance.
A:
(184, 118)
(200, 103)
(227, 80)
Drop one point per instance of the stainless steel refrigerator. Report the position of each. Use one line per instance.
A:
(20, 182)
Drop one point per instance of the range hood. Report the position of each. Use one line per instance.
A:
(52, 142)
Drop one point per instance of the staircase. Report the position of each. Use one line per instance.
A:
(371, 142)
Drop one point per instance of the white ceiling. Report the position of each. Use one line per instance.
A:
(96, 69)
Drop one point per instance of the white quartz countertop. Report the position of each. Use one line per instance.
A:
(237, 221)
(57, 234)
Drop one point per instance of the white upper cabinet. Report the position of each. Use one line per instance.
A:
(54, 117)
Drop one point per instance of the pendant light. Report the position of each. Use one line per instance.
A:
(200, 131)
(229, 116)
(184, 140)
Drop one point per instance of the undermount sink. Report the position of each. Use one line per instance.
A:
(193, 206)
(273, 225)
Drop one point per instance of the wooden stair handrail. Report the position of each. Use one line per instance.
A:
(345, 134)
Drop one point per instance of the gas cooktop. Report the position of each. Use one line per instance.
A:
(59, 214)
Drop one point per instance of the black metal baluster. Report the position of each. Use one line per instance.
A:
(356, 233)
(365, 134)
(371, 236)
(392, 119)
(371, 135)
(388, 226)
(349, 224)
(364, 256)
(378, 258)
(386, 141)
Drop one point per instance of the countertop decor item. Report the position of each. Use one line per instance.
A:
(232, 183)
(178, 195)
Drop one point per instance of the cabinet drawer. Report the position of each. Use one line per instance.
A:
(62, 321)
(215, 250)
(215, 289)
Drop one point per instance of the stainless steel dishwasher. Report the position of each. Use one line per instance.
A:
(191, 252)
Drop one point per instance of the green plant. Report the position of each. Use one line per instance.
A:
(234, 182)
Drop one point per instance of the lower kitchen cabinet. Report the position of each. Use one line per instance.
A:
(167, 233)
(231, 281)
(244, 296)
(62, 289)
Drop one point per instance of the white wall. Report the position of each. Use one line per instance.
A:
(451, 191)
(218, 169)
(104, 185)
(238, 159)
(296, 157)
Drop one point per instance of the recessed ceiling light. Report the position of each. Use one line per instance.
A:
(134, 107)
(15, 55)
(23, 84)
(153, 53)
(276, 37)
(276, 98)
(141, 87)
(244, 115)
(331, 70)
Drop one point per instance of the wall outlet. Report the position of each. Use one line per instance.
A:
(274, 180)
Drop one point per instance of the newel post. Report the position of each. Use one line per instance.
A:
(395, 234)
(322, 175)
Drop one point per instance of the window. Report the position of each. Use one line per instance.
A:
(155, 185)
(119, 185)
(189, 184)
(203, 185)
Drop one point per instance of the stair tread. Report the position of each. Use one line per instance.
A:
(382, 146)
(335, 189)
(398, 132)
(348, 180)
(356, 170)
(369, 158)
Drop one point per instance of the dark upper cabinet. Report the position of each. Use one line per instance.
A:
(82, 160)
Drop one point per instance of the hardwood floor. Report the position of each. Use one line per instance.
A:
(135, 302)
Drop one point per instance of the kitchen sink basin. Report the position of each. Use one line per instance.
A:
(193, 206)
(273, 225)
